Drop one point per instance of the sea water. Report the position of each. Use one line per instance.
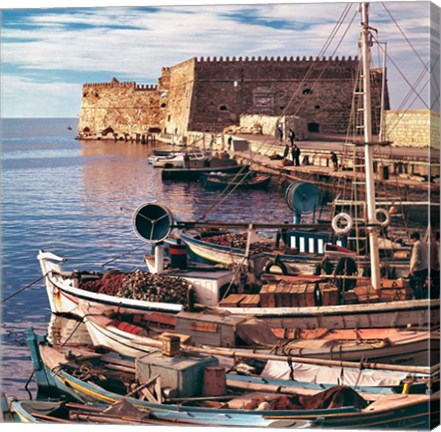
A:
(76, 199)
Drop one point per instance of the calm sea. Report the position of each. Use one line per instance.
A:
(76, 199)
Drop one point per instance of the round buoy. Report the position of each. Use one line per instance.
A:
(384, 221)
(342, 223)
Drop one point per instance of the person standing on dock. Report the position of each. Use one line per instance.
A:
(334, 160)
(279, 133)
(292, 136)
(295, 152)
(418, 264)
(286, 151)
(230, 143)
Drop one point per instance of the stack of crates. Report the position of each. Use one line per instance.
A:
(299, 294)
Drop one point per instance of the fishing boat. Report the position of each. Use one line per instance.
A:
(178, 160)
(293, 302)
(132, 334)
(250, 180)
(192, 170)
(120, 412)
(246, 404)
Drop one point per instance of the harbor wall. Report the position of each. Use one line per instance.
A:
(414, 128)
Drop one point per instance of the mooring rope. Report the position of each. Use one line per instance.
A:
(24, 288)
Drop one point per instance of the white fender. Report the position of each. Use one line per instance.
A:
(386, 215)
(336, 221)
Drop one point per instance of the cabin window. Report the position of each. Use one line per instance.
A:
(302, 244)
(311, 245)
(293, 242)
(321, 246)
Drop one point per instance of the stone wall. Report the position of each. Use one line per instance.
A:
(268, 124)
(180, 97)
(119, 109)
(416, 128)
(210, 94)
(318, 90)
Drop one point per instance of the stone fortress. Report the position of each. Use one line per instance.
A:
(208, 95)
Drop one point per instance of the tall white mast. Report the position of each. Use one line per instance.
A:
(368, 149)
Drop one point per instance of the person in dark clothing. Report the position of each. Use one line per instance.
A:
(292, 136)
(286, 151)
(230, 142)
(279, 133)
(334, 161)
(295, 152)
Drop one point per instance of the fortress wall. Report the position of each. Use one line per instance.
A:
(226, 88)
(180, 96)
(126, 108)
(415, 128)
(210, 94)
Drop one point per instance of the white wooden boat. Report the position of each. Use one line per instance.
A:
(134, 334)
(64, 297)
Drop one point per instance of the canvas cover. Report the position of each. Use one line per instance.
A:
(332, 375)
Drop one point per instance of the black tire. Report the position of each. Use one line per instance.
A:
(271, 264)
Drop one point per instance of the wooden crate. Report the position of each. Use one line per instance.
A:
(232, 300)
(349, 297)
(267, 295)
(208, 329)
(366, 293)
(250, 300)
(329, 294)
(304, 294)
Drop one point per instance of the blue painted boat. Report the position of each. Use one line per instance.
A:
(386, 411)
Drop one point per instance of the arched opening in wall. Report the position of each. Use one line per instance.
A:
(313, 127)
(86, 129)
(282, 108)
(307, 91)
(223, 108)
(106, 131)
(163, 105)
(317, 106)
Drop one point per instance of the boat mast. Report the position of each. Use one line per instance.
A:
(369, 149)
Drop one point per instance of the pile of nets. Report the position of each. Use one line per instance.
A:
(139, 285)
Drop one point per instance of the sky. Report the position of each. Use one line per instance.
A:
(48, 52)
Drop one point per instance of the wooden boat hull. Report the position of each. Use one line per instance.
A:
(414, 348)
(390, 411)
(216, 182)
(64, 298)
(195, 173)
(304, 264)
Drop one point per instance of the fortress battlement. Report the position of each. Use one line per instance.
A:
(276, 59)
(116, 84)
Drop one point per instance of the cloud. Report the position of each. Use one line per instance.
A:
(135, 43)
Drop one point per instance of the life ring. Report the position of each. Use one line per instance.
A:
(386, 222)
(338, 219)
(271, 264)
